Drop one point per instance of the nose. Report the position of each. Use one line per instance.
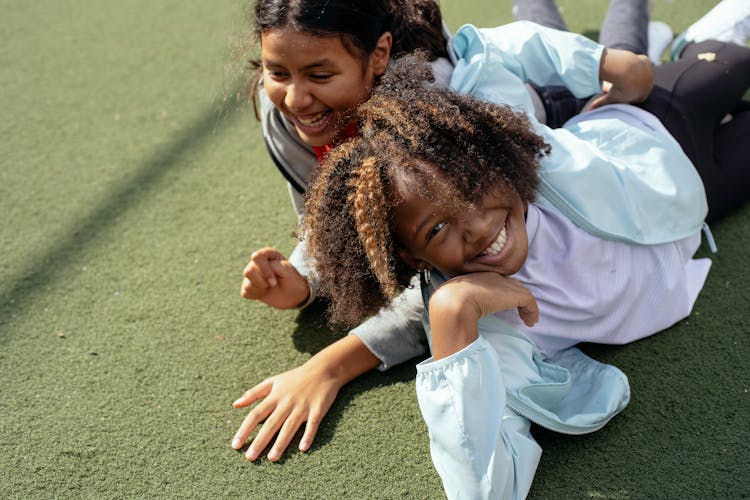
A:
(297, 97)
(476, 226)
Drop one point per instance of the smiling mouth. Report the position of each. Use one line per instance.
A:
(313, 123)
(496, 247)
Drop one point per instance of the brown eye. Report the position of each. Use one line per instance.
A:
(435, 230)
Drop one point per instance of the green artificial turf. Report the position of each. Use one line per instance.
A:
(133, 188)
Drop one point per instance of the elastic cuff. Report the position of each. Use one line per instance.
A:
(310, 296)
(430, 364)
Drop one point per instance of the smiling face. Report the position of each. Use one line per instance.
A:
(488, 236)
(315, 81)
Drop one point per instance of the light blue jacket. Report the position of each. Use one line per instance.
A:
(614, 181)
(478, 405)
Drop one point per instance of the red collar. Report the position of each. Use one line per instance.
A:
(349, 132)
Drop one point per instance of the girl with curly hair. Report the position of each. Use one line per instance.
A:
(516, 270)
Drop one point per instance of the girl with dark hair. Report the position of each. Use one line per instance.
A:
(321, 58)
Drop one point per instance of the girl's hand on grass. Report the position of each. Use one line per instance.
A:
(287, 401)
(299, 396)
(273, 280)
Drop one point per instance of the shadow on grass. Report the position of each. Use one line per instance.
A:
(18, 295)
(312, 331)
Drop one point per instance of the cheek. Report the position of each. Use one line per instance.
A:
(275, 92)
(355, 94)
(450, 255)
(522, 241)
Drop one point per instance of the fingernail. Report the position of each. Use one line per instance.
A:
(304, 445)
(273, 455)
(236, 443)
(251, 454)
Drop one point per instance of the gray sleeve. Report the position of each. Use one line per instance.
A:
(396, 333)
(302, 262)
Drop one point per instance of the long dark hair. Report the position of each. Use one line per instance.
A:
(359, 22)
(414, 24)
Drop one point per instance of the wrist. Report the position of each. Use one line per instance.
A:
(344, 360)
(453, 323)
(451, 303)
(310, 296)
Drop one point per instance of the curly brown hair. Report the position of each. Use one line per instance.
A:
(408, 130)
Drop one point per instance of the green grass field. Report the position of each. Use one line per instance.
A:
(133, 188)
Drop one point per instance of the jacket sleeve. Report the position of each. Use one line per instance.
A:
(494, 63)
(395, 334)
(480, 447)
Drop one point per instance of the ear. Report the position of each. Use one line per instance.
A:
(382, 54)
(411, 261)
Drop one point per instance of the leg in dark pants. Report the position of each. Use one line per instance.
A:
(732, 146)
(544, 12)
(625, 26)
(690, 98)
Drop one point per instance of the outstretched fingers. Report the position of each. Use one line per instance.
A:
(253, 394)
(311, 429)
(273, 423)
(256, 415)
(251, 421)
(291, 425)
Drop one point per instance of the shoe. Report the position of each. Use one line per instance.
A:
(728, 21)
(659, 37)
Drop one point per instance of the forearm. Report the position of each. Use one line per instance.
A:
(453, 323)
(459, 303)
(632, 75)
(344, 360)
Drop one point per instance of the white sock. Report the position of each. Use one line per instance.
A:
(659, 37)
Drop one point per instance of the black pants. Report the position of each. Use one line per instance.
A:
(691, 97)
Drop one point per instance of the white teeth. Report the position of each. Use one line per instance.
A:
(310, 121)
(497, 245)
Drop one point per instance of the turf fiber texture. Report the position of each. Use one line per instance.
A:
(133, 187)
